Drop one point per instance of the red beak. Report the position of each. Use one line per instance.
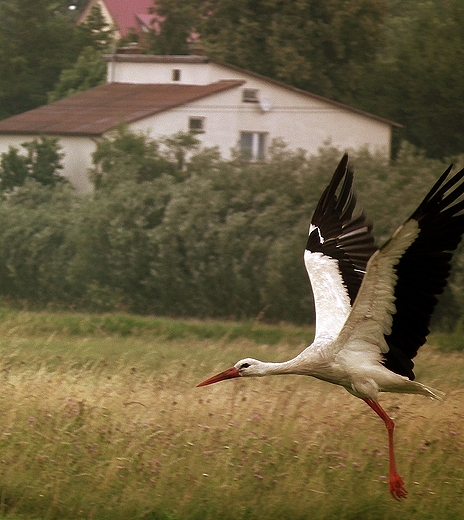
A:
(230, 373)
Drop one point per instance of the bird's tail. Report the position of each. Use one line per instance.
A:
(419, 388)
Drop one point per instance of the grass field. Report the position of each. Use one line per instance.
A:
(100, 419)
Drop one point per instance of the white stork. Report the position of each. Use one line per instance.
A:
(373, 306)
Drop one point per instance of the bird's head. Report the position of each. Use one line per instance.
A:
(244, 367)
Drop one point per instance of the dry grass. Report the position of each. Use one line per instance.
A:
(108, 427)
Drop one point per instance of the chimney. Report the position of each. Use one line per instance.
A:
(195, 45)
(130, 48)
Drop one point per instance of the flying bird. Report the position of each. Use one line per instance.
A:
(373, 306)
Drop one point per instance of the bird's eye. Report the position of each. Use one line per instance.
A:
(245, 365)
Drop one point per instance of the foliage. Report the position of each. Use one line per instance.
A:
(201, 237)
(430, 76)
(178, 17)
(323, 47)
(126, 156)
(114, 235)
(13, 169)
(36, 42)
(88, 71)
(320, 47)
(179, 146)
(41, 164)
(102, 35)
(34, 224)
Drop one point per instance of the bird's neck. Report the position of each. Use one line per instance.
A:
(287, 367)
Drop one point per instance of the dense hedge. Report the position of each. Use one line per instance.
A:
(216, 238)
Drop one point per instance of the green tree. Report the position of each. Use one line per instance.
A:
(179, 146)
(13, 169)
(428, 80)
(88, 71)
(227, 241)
(179, 20)
(100, 33)
(36, 43)
(126, 156)
(42, 163)
(113, 234)
(320, 46)
(36, 223)
(417, 77)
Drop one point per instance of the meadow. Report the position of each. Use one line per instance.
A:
(101, 419)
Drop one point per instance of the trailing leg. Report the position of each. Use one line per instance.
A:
(395, 481)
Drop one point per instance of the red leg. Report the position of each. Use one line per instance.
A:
(396, 482)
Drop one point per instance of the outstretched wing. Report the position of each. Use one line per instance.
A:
(423, 270)
(403, 279)
(338, 249)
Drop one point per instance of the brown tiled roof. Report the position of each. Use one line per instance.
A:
(102, 108)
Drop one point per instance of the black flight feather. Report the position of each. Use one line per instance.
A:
(338, 234)
(423, 270)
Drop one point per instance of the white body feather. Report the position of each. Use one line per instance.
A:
(332, 301)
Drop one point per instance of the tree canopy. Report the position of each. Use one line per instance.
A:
(428, 78)
(37, 41)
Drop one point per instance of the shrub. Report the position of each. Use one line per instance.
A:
(208, 238)
(42, 163)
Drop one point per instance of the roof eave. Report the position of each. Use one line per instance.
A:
(228, 84)
(111, 124)
(54, 133)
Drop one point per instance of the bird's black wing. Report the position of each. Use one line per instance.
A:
(334, 231)
(423, 270)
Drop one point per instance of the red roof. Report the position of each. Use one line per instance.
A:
(102, 108)
(127, 14)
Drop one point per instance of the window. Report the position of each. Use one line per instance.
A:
(175, 74)
(250, 95)
(197, 124)
(253, 146)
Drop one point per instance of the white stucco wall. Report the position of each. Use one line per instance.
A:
(77, 161)
(191, 73)
(300, 121)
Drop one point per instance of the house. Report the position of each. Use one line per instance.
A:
(124, 16)
(226, 106)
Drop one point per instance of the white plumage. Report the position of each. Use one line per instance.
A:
(373, 306)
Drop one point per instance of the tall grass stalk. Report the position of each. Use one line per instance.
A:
(100, 425)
